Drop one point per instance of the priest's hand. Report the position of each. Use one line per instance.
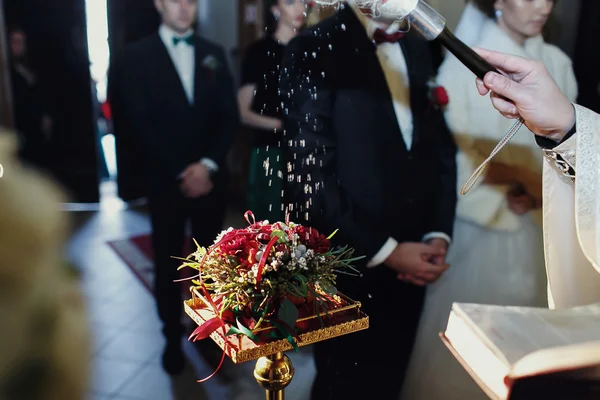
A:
(412, 263)
(527, 91)
(195, 181)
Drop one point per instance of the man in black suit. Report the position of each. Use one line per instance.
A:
(370, 155)
(179, 101)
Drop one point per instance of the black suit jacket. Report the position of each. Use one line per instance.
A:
(168, 131)
(349, 168)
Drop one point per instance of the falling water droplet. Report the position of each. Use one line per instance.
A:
(370, 295)
(343, 27)
(314, 54)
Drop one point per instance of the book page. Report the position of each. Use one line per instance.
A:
(514, 332)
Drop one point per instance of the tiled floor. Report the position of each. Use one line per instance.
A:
(127, 338)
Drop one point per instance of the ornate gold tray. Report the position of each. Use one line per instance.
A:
(343, 316)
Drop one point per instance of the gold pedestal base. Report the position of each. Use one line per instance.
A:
(274, 370)
(274, 373)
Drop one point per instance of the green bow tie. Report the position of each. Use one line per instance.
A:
(188, 39)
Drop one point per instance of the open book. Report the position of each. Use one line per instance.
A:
(506, 349)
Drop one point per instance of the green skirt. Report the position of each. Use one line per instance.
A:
(265, 184)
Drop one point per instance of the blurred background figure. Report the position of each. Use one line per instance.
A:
(497, 255)
(31, 110)
(260, 107)
(44, 341)
(178, 99)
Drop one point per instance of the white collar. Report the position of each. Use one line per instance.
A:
(167, 34)
(370, 24)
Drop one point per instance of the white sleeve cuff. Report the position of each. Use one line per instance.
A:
(383, 253)
(210, 164)
(437, 235)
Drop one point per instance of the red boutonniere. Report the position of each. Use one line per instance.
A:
(438, 96)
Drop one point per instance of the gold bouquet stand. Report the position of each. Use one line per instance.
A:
(274, 370)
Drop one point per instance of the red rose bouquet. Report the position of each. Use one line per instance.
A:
(263, 274)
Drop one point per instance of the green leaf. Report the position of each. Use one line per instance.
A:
(297, 291)
(288, 312)
(301, 278)
(280, 234)
(301, 289)
(233, 331)
(334, 232)
(245, 330)
(241, 330)
(328, 288)
(289, 336)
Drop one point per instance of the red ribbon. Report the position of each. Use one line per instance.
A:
(222, 323)
(265, 256)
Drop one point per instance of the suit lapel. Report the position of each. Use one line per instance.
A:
(369, 65)
(168, 72)
(201, 72)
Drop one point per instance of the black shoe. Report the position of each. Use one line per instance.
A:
(173, 359)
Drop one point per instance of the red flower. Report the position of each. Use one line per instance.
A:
(312, 239)
(440, 96)
(234, 245)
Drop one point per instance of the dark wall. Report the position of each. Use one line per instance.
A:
(128, 21)
(56, 31)
(587, 56)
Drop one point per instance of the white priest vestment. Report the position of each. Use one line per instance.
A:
(572, 215)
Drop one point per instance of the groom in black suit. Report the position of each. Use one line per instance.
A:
(370, 154)
(179, 104)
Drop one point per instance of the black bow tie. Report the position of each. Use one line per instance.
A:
(187, 39)
(380, 36)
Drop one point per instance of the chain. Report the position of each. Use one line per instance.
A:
(477, 173)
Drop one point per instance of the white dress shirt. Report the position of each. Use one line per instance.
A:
(183, 57)
(392, 61)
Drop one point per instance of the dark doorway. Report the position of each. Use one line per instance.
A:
(58, 53)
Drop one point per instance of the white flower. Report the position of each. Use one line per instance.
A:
(223, 233)
(210, 62)
(259, 255)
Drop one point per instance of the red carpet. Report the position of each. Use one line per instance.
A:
(137, 253)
